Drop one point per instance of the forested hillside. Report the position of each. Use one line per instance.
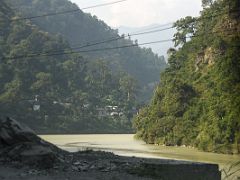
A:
(80, 29)
(59, 93)
(197, 102)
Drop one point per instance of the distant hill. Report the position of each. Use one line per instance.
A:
(79, 29)
(160, 49)
(59, 93)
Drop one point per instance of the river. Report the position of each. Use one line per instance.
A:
(126, 145)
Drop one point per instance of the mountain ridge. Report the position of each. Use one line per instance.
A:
(59, 94)
(81, 28)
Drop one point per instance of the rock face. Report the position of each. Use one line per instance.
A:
(19, 143)
(11, 133)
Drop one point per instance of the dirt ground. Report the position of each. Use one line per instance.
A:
(106, 166)
(80, 166)
(10, 173)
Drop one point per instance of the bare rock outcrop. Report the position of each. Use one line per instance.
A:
(19, 143)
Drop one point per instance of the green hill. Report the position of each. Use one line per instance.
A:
(79, 28)
(197, 102)
(59, 93)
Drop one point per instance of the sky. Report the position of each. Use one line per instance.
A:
(140, 13)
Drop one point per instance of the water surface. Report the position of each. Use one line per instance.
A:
(127, 145)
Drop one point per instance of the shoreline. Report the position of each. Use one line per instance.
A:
(26, 156)
(104, 165)
(126, 145)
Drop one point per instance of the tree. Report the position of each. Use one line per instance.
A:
(129, 86)
(83, 28)
(198, 108)
(207, 3)
(42, 83)
(185, 29)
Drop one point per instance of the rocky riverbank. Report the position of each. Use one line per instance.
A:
(23, 155)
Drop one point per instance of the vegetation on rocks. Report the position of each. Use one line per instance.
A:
(197, 102)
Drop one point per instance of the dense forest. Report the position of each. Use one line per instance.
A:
(79, 29)
(197, 102)
(67, 92)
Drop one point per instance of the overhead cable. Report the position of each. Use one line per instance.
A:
(68, 11)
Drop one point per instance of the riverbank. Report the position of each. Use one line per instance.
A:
(24, 155)
(101, 165)
(127, 145)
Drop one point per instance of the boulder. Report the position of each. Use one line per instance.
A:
(19, 143)
(12, 132)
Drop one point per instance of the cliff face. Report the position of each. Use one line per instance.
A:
(197, 102)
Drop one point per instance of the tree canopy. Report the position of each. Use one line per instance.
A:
(79, 29)
(59, 93)
(197, 101)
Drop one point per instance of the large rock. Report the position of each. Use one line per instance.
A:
(20, 143)
(12, 133)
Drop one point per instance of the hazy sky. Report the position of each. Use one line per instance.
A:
(137, 13)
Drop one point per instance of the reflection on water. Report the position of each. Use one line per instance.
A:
(126, 145)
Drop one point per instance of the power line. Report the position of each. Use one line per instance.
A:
(99, 49)
(75, 10)
(93, 43)
(91, 50)
(150, 32)
(121, 37)
(89, 44)
(154, 27)
(100, 42)
(136, 33)
(133, 34)
(69, 11)
(115, 38)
